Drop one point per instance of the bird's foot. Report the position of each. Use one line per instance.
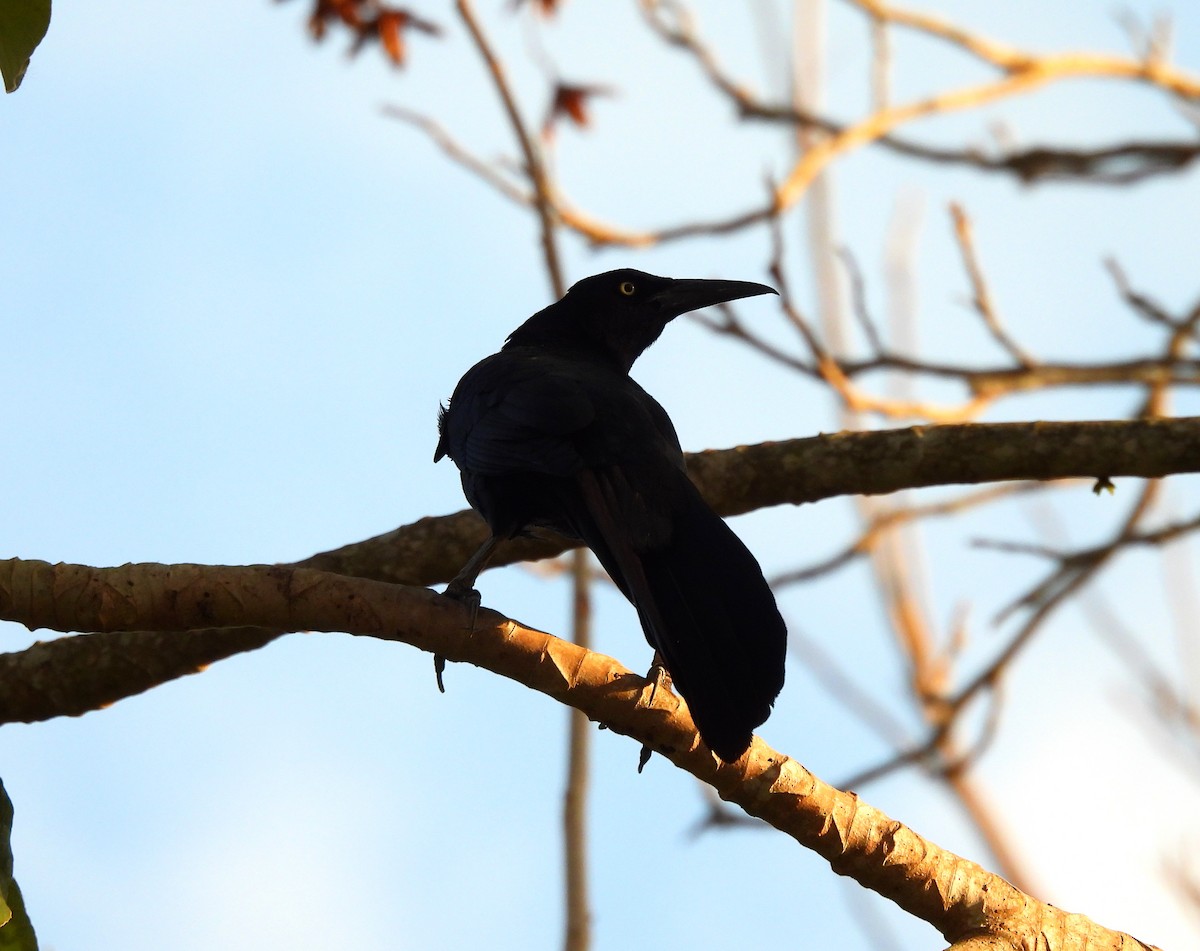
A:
(657, 676)
(468, 597)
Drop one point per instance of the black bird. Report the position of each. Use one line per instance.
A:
(552, 432)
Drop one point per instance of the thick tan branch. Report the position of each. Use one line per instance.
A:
(956, 896)
(75, 675)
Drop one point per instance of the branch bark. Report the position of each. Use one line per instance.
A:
(956, 896)
(795, 471)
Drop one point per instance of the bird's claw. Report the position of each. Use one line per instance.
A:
(467, 596)
(658, 676)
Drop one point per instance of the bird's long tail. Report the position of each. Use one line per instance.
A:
(708, 611)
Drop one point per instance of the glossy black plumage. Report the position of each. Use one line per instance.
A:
(551, 431)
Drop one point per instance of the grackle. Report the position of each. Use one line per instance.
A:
(552, 432)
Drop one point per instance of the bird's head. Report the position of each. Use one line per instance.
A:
(620, 313)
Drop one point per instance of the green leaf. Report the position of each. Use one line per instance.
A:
(16, 930)
(23, 23)
(18, 934)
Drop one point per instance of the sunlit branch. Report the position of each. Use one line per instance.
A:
(956, 896)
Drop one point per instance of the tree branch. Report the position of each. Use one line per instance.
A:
(740, 480)
(956, 896)
(73, 675)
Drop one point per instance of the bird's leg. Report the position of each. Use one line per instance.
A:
(659, 676)
(462, 589)
(462, 586)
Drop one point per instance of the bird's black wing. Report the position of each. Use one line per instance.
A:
(511, 414)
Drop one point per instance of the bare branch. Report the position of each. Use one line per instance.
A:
(956, 896)
(841, 686)
(890, 518)
(459, 154)
(858, 295)
(981, 296)
(746, 478)
(535, 168)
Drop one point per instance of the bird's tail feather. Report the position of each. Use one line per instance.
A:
(718, 628)
(708, 611)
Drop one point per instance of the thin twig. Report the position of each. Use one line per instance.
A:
(858, 296)
(824, 667)
(889, 518)
(543, 201)
(981, 297)
(577, 924)
(881, 62)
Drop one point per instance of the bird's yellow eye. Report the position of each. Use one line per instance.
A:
(626, 288)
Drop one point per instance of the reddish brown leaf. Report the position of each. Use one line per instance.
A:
(324, 10)
(546, 8)
(573, 102)
(389, 26)
(346, 10)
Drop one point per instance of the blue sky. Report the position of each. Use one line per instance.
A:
(234, 294)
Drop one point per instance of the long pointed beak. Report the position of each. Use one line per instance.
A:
(683, 296)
